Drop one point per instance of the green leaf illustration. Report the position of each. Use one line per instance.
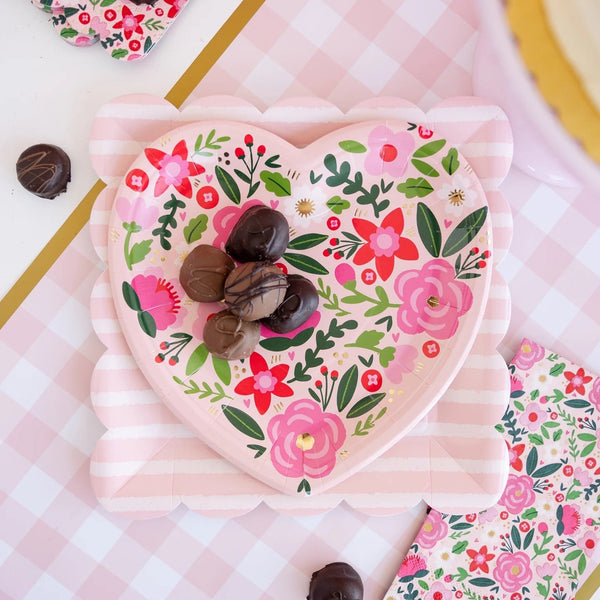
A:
(429, 229)
(222, 369)
(139, 251)
(352, 146)
(119, 53)
(460, 547)
(305, 263)
(515, 536)
(557, 369)
(276, 183)
(346, 387)
(309, 240)
(195, 228)
(450, 162)
(577, 403)
(243, 422)
(148, 45)
(228, 184)
(369, 339)
(415, 187)
(68, 32)
(532, 461)
(276, 344)
(429, 149)
(546, 470)
(259, 450)
(482, 581)
(530, 513)
(465, 231)
(364, 405)
(336, 205)
(197, 359)
(424, 168)
(147, 323)
(130, 295)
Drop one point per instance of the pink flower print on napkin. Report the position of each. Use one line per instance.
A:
(384, 243)
(305, 440)
(389, 152)
(588, 543)
(159, 298)
(529, 353)
(533, 417)
(569, 519)
(512, 571)
(518, 493)
(412, 566)
(174, 169)
(546, 570)
(404, 362)
(438, 591)
(432, 300)
(137, 211)
(434, 528)
(576, 381)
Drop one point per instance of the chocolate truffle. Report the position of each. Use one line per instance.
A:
(260, 234)
(44, 170)
(335, 581)
(227, 336)
(299, 303)
(203, 273)
(255, 289)
(139, 2)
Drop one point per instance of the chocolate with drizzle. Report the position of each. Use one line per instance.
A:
(227, 336)
(44, 170)
(255, 289)
(260, 234)
(336, 581)
(203, 273)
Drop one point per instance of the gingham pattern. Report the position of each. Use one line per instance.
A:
(55, 542)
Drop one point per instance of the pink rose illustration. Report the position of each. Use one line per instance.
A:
(411, 565)
(529, 353)
(434, 528)
(388, 151)
(438, 591)
(158, 297)
(512, 571)
(136, 212)
(404, 362)
(305, 440)
(594, 395)
(518, 493)
(432, 300)
(533, 417)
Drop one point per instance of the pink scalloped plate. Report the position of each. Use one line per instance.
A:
(388, 221)
(148, 461)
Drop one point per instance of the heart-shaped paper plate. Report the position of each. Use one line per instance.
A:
(391, 225)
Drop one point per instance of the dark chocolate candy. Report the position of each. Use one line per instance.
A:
(227, 336)
(336, 581)
(299, 303)
(149, 2)
(260, 234)
(44, 170)
(203, 273)
(255, 289)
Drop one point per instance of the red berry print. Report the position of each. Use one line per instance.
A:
(368, 276)
(261, 150)
(110, 14)
(524, 526)
(333, 223)
(504, 515)
(239, 153)
(159, 12)
(470, 518)
(134, 45)
(568, 470)
(248, 140)
(84, 18)
(207, 197)
(371, 380)
(137, 180)
(425, 132)
(431, 349)
(283, 268)
(559, 497)
(551, 556)
(590, 462)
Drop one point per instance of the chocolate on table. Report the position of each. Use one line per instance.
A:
(336, 581)
(203, 273)
(44, 170)
(255, 289)
(260, 234)
(227, 336)
(299, 303)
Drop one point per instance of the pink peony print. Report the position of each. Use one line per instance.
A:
(389, 152)
(529, 353)
(594, 395)
(518, 494)
(136, 212)
(404, 362)
(411, 565)
(158, 297)
(588, 543)
(438, 591)
(432, 300)
(570, 520)
(533, 417)
(174, 169)
(305, 440)
(434, 528)
(512, 571)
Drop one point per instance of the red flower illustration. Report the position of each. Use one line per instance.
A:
(129, 23)
(576, 381)
(174, 169)
(479, 559)
(384, 242)
(263, 382)
(176, 6)
(514, 456)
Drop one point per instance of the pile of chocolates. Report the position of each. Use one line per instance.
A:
(256, 291)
